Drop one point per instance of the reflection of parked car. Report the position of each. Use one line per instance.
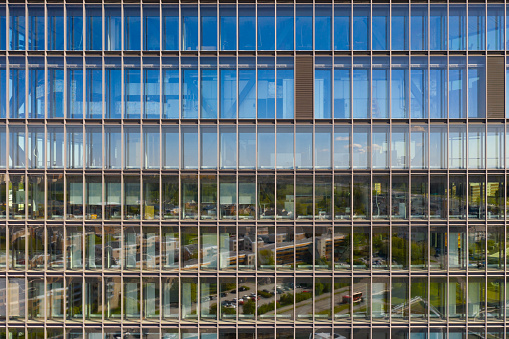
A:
(356, 297)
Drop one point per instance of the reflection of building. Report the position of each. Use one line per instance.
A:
(161, 160)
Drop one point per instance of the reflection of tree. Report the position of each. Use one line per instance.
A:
(266, 257)
(360, 248)
(399, 250)
(341, 199)
(419, 254)
(249, 307)
(359, 200)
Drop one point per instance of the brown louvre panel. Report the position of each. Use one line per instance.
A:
(495, 89)
(304, 87)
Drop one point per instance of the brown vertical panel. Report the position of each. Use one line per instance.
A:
(495, 71)
(303, 87)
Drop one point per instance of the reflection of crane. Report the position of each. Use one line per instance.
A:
(401, 307)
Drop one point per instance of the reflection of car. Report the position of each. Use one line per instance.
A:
(224, 294)
(356, 297)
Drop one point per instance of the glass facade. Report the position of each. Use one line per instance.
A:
(254, 170)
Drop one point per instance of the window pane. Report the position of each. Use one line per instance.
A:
(247, 147)
(170, 199)
(438, 147)
(361, 27)
(3, 89)
(476, 27)
(93, 90)
(380, 89)
(380, 147)
(266, 93)
(228, 27)
(17, 25)
(132, 147)
(457, 88)
(303, 27)
(228, 104)
(56, 93)
(495, 23)
(112, 28)
(284, 27)
(189, 147)
(151, 28)
(36, 92)
(3, 28)
(93, 197)
(75, 147)
(284, 144)
(476, 87)
(151, 93)
(74, 29)
(360, 152)
(113, 95)
(170, 136)
(151, 147)
(495, 149)
(419, 147)
(247, 27)
(93, 17)
(476, 146)
(419, 27)
(228, 144)
(189, 28)
(170, 93)
(323, 22)
(17, 147)
(400, 88)
(399, 26)
(132, 210)
(190, 93)
(418, 89)
(170, 29)
(132, 93)
(35, 147)
(322, 93)
(208, 28)
(342, 140)
(342, 88)
(438, 88)
(113, 142)
(75, 93)
(17, 78)
(284, 93)
(55, 146)
(55, 197)
(208, 204)
(266, 27)
(208, 94)
(36, 28)
(247, 94)
(266, 147)
(304, 147)
(457, 27)
(322, 147)
(361, 97)
(380, 27)
(342, 26)
(189, 194)
(208, 147)
(438, 27)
